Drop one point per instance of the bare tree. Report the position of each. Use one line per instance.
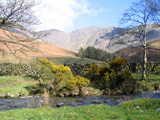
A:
(18, 15)
(137, 18)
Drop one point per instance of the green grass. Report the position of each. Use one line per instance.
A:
(150, 77)
(14, 85)
(69, 60)
(148, 85)
(126, 111)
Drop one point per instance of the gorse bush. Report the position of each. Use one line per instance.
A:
(118, 64)
(79, 82)
(104, 69)
(54, 78)
(51, 77)
(110, 80)
(111, 77)
(93, 73)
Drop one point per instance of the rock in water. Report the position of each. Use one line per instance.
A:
(60, 105)
(96, 102)
(158, 109)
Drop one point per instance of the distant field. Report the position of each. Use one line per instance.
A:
(56, 60)
(70, 60)
(139, 109)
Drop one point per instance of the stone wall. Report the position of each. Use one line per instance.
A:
(151, 67)
(18, 69)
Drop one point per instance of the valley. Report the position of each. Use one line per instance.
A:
(69, 59)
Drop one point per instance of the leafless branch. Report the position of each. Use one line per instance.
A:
(18, 15)
(137, 18)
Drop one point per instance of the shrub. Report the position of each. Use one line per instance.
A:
(115, 76)
(118, 64)
(57, 79)
(99, 75)
(104, 69)
(93, 72)
(79, 82)
(123, 76)
(111, 80)
(52, 77)
(121, 81)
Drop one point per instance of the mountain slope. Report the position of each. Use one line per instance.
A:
(49, 50)
(99, 37)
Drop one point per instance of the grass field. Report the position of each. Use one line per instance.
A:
(139, 109)
(152, 81)
(15, 85)
(70, 60)
(150, 77)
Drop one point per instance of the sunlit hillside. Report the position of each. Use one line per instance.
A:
(136, 54)
(38, 48)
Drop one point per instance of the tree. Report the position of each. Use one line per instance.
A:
(96, 54)
(17, 15)
(137, 18)
(81, 52)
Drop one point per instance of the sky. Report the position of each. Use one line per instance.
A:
(69, 15)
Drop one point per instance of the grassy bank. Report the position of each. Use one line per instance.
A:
(139, 109)
(15, 85)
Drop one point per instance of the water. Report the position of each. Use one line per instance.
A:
(34, 102)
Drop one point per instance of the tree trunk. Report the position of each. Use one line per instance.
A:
(46, 97)
(144, 63)
(80, 91)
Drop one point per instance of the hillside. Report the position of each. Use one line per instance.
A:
(42, 49)
(136, 55)
(99, 37)
(50, 50)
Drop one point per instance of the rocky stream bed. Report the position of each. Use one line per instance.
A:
(36, 101)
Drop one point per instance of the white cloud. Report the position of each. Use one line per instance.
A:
(59, 14)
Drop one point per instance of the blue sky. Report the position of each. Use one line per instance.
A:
(69, 15)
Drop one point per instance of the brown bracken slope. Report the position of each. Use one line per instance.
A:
(42, 49)
(50, 50)
(136, 54)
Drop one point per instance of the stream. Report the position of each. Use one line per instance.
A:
(36, 101)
